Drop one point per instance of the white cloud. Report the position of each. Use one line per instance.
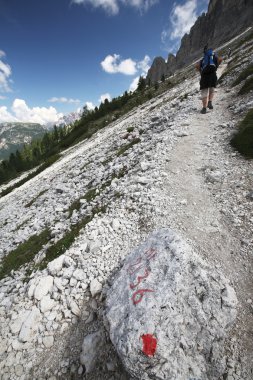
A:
(112, 65)
(134, 84)
(110, 6)
(144, 65)
(90, 106)
(6, 116)
(22, 113)
(182, 18)
(104, 96)
(2, 97)
(5, 73)
(63, 100)
(113, 6)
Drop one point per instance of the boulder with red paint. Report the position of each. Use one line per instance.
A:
(169, 312)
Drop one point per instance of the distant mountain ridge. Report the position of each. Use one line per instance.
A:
(224, 20)
(69, 118)
(14, 135)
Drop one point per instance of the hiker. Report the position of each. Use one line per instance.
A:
(229, 52)
(207, 66)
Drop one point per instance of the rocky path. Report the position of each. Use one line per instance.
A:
(194, 169)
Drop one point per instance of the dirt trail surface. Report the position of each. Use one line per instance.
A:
(181, 174)
(200, 218)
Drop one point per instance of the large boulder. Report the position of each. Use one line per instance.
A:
(169, 312)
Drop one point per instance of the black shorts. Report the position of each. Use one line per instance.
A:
(208, 80)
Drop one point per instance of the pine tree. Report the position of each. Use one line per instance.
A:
(141, 84)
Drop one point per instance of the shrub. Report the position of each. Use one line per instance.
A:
(243, 139)
(24, 253)
(247, 87)
(244, 75)
(130, 129)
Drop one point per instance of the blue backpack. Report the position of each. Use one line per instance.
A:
(209, 62)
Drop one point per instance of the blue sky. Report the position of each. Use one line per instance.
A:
(58, 55)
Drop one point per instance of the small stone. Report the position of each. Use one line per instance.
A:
(80, 370)
(91, 346)
(55, 266)
(46, 304)
(74, 308)
(19, 370)
(95, 287)
(48, 341)
(44, 286)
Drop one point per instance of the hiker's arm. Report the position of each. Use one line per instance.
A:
(197, 66)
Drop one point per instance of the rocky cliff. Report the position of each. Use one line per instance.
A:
(223, 20)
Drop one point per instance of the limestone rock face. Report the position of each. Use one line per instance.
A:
(169, 312)
(224, 20)
(157, 69)
(171, 64)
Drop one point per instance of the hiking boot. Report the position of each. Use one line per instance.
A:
(203, 110)
(210, 106)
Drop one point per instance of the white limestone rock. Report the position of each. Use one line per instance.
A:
(16, 324)
(3, 346)
(30, 326)
(169, 313)
(91, 346)
(79, 275)
(46, 304)
(74, 307)
(55, 266)
(43, 287)
(95, 287)
(58, 283)
(48, 341)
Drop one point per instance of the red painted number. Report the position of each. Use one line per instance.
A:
(150, 253)
(138, 295)
(139, 278)
(133, 268)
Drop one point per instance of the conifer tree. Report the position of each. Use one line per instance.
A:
(141, 84)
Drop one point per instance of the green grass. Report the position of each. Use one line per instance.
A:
(24, 253)
(40, 169)
(247, 38)
(247, 87)
(29, 204)
(67, 240)
(243, 75)
(76, 205)
(109, 159)
(125, 147)
(243, 139)
(90, 195)
(130, 129)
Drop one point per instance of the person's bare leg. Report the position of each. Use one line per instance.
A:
(204, 97)
(205, 102)
(210, 98)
